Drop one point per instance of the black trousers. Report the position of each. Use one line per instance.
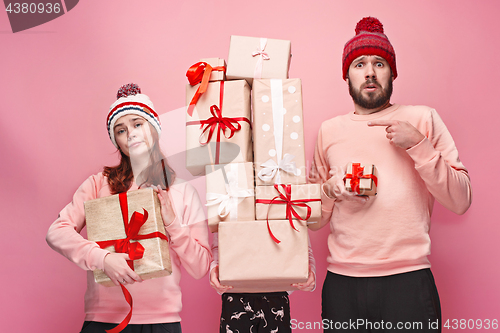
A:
(97, 327)
(256, 313)
(407, 302)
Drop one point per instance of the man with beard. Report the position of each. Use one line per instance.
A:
(379, 276)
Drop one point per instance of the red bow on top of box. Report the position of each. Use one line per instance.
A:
(285, 197)
(200, 72)
(218, 121)
(356, 175)
(135, 250)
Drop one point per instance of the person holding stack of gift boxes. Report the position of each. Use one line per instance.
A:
(378, 271)
(258, 199)
(134, 128)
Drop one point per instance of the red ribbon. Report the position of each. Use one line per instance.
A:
(286, 198)
(125, 321)
(218, 123)
(356, 175)
(200, 72)
(135, 250)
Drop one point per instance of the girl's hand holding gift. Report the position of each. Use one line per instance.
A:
(118, 270)
(167, 211)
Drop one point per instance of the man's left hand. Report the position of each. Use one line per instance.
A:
(402, 134)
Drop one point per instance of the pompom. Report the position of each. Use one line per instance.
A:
(129, 89)
(370, 24)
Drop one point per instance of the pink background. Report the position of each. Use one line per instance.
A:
(58, 80)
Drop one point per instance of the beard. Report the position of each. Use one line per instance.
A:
(374, 100)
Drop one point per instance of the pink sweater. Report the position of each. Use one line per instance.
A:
(156, 300)
(389, 234)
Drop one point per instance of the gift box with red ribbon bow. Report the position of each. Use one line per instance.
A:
(218, 68)
(218, 131)
(130, 223)
(203, 72)
(290, 202)
(361, 179)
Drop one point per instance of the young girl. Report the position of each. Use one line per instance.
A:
(134, 128)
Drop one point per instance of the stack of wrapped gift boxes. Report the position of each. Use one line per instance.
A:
(257, 196)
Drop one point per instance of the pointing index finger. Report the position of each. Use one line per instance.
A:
(381, 122)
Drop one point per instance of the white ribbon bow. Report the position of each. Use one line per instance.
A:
(229, 201)
(271, 168)
(257, 74)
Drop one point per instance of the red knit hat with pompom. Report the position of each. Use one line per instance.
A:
(369, 40)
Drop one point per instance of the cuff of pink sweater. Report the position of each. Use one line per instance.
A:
(422, 152)
(174, 230)
(97, 256)
(171, 223)
(177, 230)
(326, 202)
(213, 264)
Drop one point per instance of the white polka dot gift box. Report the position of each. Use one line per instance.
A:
(278, 132)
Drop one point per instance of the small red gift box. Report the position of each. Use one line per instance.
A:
(361, 178)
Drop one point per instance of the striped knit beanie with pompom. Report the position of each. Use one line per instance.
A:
(131, 101)
(369, 40)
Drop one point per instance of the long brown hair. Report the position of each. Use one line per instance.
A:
(158, 172)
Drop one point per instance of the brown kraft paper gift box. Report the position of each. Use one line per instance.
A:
(105, 222)
(235, 105)
(216, 62)
(367, 185)
(278, 132)
(239, 203)
(251, 261)
(245, 54)
(278, 210)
